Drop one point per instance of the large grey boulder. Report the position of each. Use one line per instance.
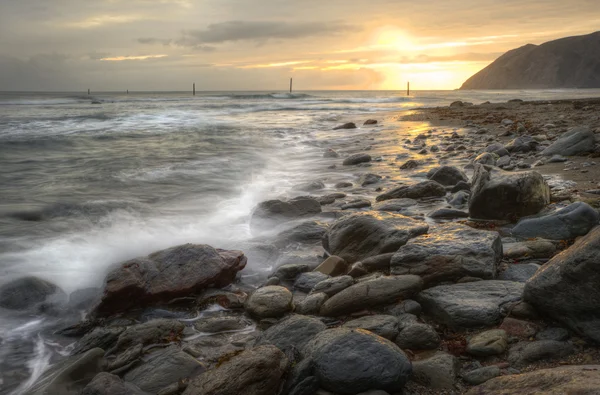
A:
(292, 332)
(350, 361)
(372, 293)
(448, 175)
(70, 375)
(437, 371)
(423, 189)
(448, 253)
(576, 141)
(583, 379)
(163, 368)
(272, 211)
(110, 384)
(270, 302)
(362, 235)
(382, 325)
(168, 274)
(333, 285)
(572, 221)
(307, 232)
(566, 287)
(481, 303)
(497, 194)
(257, 371)
(522, 144)
(27, 292)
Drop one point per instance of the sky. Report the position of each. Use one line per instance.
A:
(143, 45)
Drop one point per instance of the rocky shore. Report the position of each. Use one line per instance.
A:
(454, 252)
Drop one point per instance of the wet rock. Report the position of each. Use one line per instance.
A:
(418, 336)
(574, 220)
(257, 371)
(167, 274)
(311, 305)
(481, 375)
(84, 298)
(357, 159)
(269, 302)
(519, 272)
(309, 186)
(110, 384)
(151, 332)
(504, 161)
(438, 371)
(28, 292)
(394, 205)
(518, 328)
(307, 281)
(497, 149)
(221, 323)
(461, 186)
(469, 305)
(333, 266)
(560, 380)
(410, 164)
(330, 153)
(459, 199)
(448, 175)
(486, 158)
(69, 376)
(162, 368)
(448, 253)
(369, 179)
(334, 285)
(567, 287)
(293, 332)
(290, 271)
(423, 189)
(524, 353)
(344, 185)
(557, 159)
(271, 211)
(576, 141)
(407, 306)
(370, 122)
(522, 144)
(352, 361)
(538, 248)
(447, 213)
(100, 337)
(348, 125)
(501, 195)
(556, 334)
(365, 234)
(492, 342)
(385, 326)
(371, 293)
(305, 233)
(356, 204)
(379, 262)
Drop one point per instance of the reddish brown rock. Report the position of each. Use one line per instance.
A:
(167, 274)
(519, 328)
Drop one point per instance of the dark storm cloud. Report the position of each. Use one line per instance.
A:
(261, 31)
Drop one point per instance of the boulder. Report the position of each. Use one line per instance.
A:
(164, 275)
(110, 384)
(311, 305)
(378, 263)
(447, 213)
(538, 248)
(307, 281)
(333, 285)
(423, 189)
(271, 301)
(293, 332)
(257, 371)
(576, 141)
(356, 159)
(475, 304)
(369, 178)
(498, 194)
(498, 149)
(330, 153)
(519, 272)
(418, 336)
(481, 375)
(557, 334)
(486, 158)
(518, 328)
(69, 376)
(448, 175)
(410, 164)
(365, 234)
(221, 323)
(394, 205)
(290, 271)
(27, 292)
(356, 204)
(492, 342)
(566, 288)
(99, 337)
(333, 266)
(437, 371)
(522, 144)
(163, 368)
(310, 186)
(372, 293)
(385, 326)
(347, 125)
(524, 353)
(151, 332)
(273, 211)
(370, 122)
(572, 221)
(560, 380)
(307, 232)
(448, 253)
(350, 361)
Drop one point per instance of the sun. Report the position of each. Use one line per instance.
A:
(392, 38)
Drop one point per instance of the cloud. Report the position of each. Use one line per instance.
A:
(259, 31)
(140, 57)
(152, 41)
(101, 20)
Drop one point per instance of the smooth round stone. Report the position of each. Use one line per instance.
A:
(270, 302)
(492, 342)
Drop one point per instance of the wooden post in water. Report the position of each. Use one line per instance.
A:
(290, 85)
(194, 89)
(88, 91)
(408, 89)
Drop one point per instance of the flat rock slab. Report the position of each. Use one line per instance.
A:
(294, 331)
(370, 233)
(449, 252)
(423, 189)
(584, 379)
(167, 274)
(469, 305)
(575, 142)
(372, 293)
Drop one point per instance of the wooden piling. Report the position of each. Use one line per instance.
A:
(194, 89)
(408, 89)
(290, 85)
(88, 91)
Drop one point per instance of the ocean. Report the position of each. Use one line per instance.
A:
(88, 181)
